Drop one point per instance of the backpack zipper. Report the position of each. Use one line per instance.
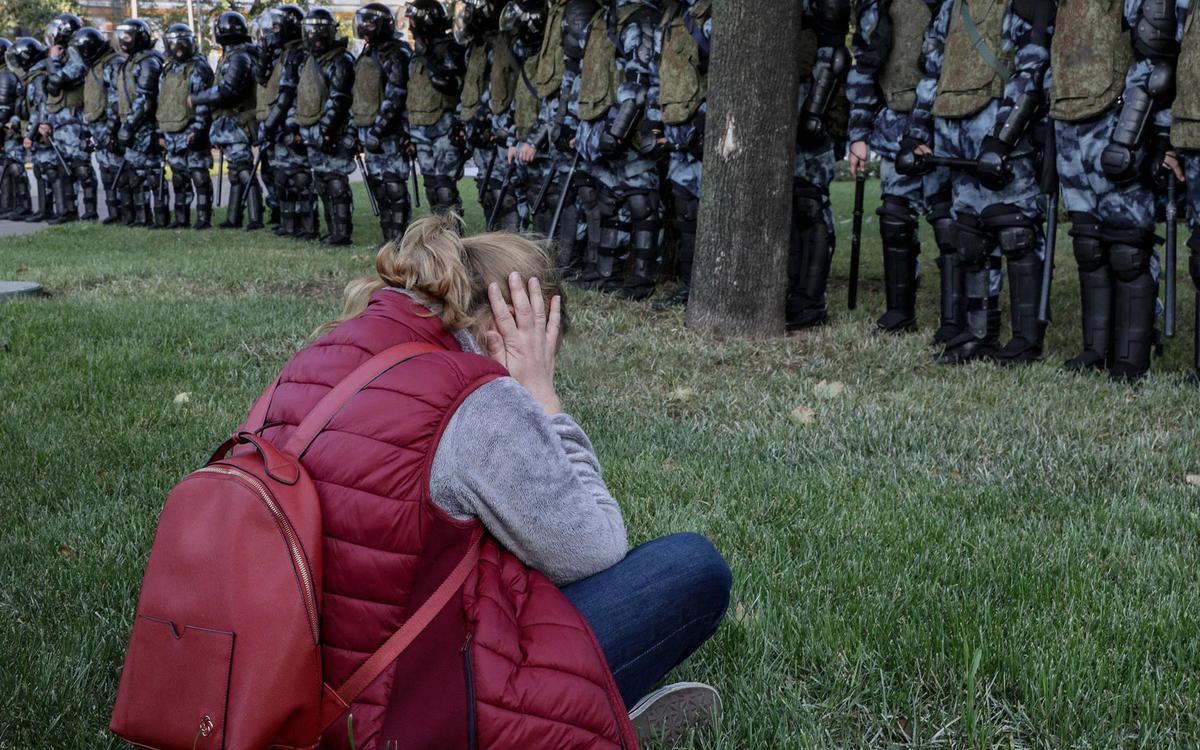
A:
(310, 604)
(469, 675)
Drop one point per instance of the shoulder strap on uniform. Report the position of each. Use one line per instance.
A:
(524, 76)
(981, 45)
(696, 30)
(320, 416)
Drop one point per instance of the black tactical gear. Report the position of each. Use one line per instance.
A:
(230, 29)
(133, 36)
(320, 30)
(25, 52)
(374, 24)
(429, 20)
(90, 44)
(475, 19)
(179, 42)
(525, 22)
(62, 28)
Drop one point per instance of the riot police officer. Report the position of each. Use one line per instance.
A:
(322, 111)
(27, 58)
(1105, 90)
(141, 186)
(185, 128)
(14, 185)
(987, 64)
(284, 55)
(232, 101)
(682, 43)
(488, 85)
(102, 63)
(64, 104)
(380, 95)
(435, 82)
(826, 62)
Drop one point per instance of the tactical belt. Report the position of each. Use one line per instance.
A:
(981, 45)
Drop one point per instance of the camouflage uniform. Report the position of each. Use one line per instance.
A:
(1005, 220)
(326, 131)
(1113, 217)
(100, 123)
(681, 44)
(46, 166)
(187, 145)
(619, 177)
(64, 88)
(232, 101)
(142, 185)
(813, 235)
(499, 111)
(294, 187)
(15, 203)
(379, 116)
(434, 85)
(882, 92)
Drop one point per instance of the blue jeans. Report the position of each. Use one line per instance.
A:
(653, 609)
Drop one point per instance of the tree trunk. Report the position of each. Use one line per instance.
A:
(740, 280)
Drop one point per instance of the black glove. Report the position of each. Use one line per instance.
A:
(199, 140)
(992, 166)
(125, 136)
(649, 133)
(908, 163)
(372, 143)
(458, 135)
(563, 138)
(695, 144)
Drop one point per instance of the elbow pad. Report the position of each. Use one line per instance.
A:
(827, 82)
(1121, 158)
(622, 125)
(1154, 34)
(1161, 84)
(1019, 119)
(54, 84)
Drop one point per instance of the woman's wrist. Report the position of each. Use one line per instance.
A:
(548, 399)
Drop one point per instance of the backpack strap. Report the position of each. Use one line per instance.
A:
(321, 415)
(335, 702)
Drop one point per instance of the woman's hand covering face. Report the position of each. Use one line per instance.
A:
(525, 338)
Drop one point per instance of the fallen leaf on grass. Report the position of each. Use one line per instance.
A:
(739, 612)
(803, 415)
(1193, 479)
(679, 395)
(902, 725)
(183, 398)
(827, 389)
(67, 551)
(23, 269)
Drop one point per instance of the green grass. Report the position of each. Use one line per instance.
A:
(932, 557)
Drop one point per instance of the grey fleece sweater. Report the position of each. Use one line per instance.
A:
(532, 479)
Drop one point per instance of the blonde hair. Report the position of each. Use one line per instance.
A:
(451, 273)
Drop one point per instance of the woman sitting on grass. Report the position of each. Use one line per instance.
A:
(473, 435)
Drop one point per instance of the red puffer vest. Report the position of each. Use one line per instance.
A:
(514, 664)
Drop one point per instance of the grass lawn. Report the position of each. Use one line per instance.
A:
(924, 556)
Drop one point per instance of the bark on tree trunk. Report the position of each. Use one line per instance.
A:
(740, 281)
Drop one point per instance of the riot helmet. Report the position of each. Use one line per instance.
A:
(179, 42)
(231, 29)
(374, 23)
(428, 19)
(576, 16)
(25, 52)
(90, 44)
(5, 45)
(60, 30)
(524, 21)
(475, 18)
(133, 36)
(320, 30)
(281, 25)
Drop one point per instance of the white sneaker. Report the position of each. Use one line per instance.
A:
(671, 712)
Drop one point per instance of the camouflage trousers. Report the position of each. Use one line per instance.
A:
(686, 171)
(816, 167)
(1085, 187)
(228, 135)
(437, 155)
(182, 158)
(918, 191)
(144, 154)
(70, 136)
(392, 160)
(338, 160)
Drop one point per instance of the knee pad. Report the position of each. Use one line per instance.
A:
(394, 189)
(84, 174)
(808, 205)
(1018, 242)
(642, 206)
(686, 208)
(1129, 261)
(897, 222)
(302, 180)
(1089, 253)
(180, 181)
(974, 244)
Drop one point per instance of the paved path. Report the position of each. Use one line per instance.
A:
(12, 289)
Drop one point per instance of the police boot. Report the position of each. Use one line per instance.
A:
(283, 196)
(341, 205)
(44, 212)
(18, 180)
(143, 210)
(125, 197)
(181, 186)
(254, 201)
(1135, 295)
(952, 298)
(275, 215)
(1024, 293)
(203, 187)
(901, 248)
(1095, 291)
(646, 226)
(304, 206)
(395, 209)
(233, 214)
(808, 265)
(6, 189)
(62, 186)
(981, 329)
(608, 257)
(160, 194)
(112, 200)
(86, 177)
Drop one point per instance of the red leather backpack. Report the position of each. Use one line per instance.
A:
(225, 649)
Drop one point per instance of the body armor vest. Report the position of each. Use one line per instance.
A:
(528, 103)
(426, 104)
(127, 84)
(368, 88)
(682, 82)
(95, 97)
(598, 77)
(311, 93)
(174, 114)
(242, 107)
(1185, 113)
(968, 83)
(548, 73)
(902, 71)
(65, 99)
(267, 93)
(503, 80)
(474, 80)
(1090, 56)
